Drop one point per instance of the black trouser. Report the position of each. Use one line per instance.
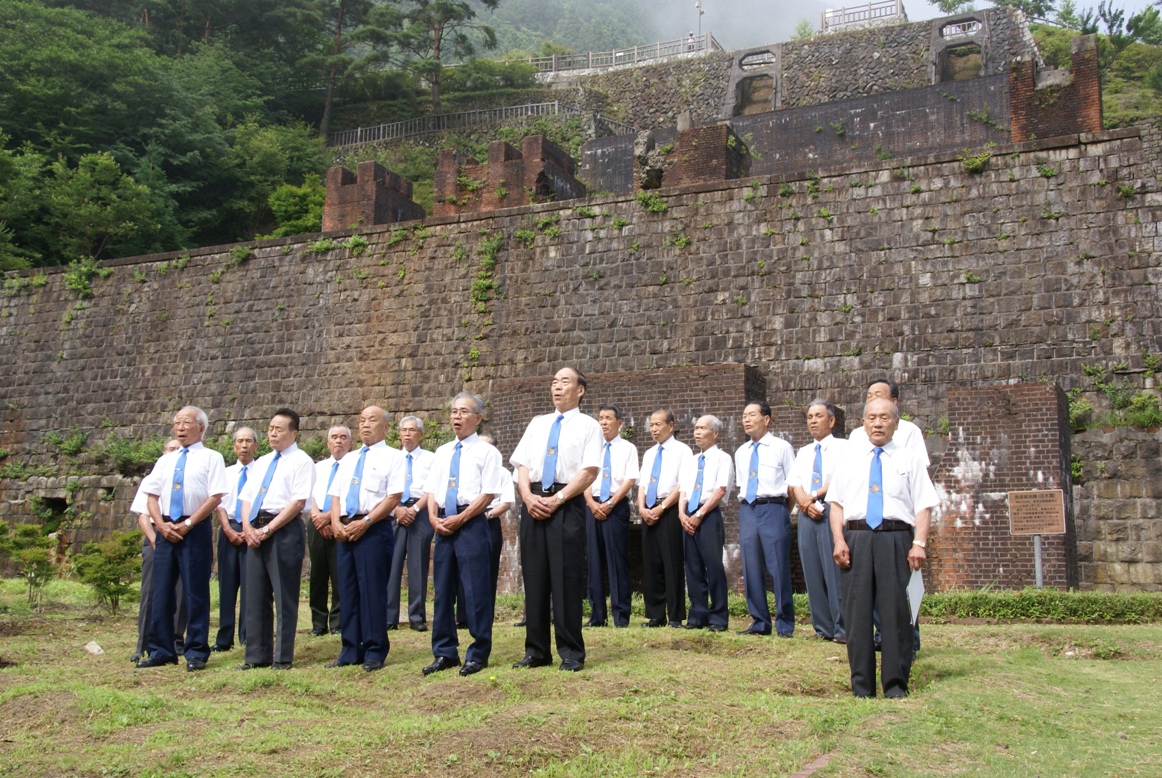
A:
(145, 606)
(231, 579)
(553, 563)
(273, 572)
(608, 543)
(412, 544)
(878, 577)
(663, 572)
(496, 545)
(190, 561)
(324, 574)
(705, 573)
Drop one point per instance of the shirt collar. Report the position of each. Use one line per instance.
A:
(292, 448)
(765, 440)
(827, 441)
(709, 451)
(569, 414)
(469, 441)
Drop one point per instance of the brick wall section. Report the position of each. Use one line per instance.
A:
(1118, 498)
(373, 196)
(1061, 104)
(703, 154)
(539, 172)
(1001, 439)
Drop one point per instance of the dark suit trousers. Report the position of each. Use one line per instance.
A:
(462, 562)
(821, 575)
(878, 577)
(495, 546)
(608, 543)
(412, 544)
(189, 560)
(764, 538)
(231, 577)
(663, 572)
(553, 563)
(705, 573)
(273, 572)
(324, 574)
(362, 568)
(145, 605)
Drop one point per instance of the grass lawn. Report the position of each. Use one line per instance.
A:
(987, 700)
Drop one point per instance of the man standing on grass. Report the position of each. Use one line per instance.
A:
(320, 539)
(183, 491)
(881, 502)
(413, 532)
(705, 481)
(557, 459)
(663, 572)
(140, 509)
(607, 522)
(272, 502)
(231, 544)
(466, 476)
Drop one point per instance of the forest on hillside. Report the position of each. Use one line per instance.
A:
(136, 126)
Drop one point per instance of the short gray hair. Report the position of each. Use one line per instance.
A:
(825, 403)
(418, 422)
(895, 408)
(476, 400)
(343, 427)
(240, 430)
(173, 444)
(199, 414)
(713, 422)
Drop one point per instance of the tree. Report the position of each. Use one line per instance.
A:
(31, 550)
(803, 30)
(110, 567)
(298, 209)
(338, 22)
(417, 35)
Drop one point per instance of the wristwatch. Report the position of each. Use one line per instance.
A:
(560, 497)
(189, 524)
(368, 520)
(265, 531)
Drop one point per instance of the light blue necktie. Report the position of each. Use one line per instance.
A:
(696, 495)
(875, 493)
(450, 503)
(606, 474)
(356, 481)
(407, 484)
(652, 489)
(549, 468)
(752, 479)
(176, 497)
(238, 504)
(817, 468)
(330, 480)
(266, 479)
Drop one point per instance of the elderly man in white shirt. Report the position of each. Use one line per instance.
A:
(663, 572)
(705, 481)
(321, 548)
(232, 546)
(881, 502)
(412, 541)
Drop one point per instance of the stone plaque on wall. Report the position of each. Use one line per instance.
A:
(1037, 513)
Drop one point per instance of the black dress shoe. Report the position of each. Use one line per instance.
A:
(218, 648)
(194, 665)
(675, 625)
(441, 663)
(155, 662)
(654, 623)
(281, 665)
(572, 665)
(136, 657)
(337, 663)
(592, 623)
(318, 633)
(754, 631)
(529, 661)
(371, 665)
(520, 623)
(461, 625)
(840, 640)
(418, 626)
(784, 635)
(471, 667)
(250, 666)
(392, 627)
(694, 626)
(716, 628)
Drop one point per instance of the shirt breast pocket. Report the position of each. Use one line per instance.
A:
(897, 484)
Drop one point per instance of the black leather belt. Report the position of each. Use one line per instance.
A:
(459, 509)
(345, 520)
(538, 489)
(888, 525)
(768, 501)
(178, 520)
(410, 502)
(235, 525)
(262, 519)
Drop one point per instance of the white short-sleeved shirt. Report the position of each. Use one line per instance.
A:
(907, 435)
(578, 446)
(323, 482)
(776, 458)
(673, 453)
(831, 449)
(384, 471)
(717, 472)
(140, 502)
(907, 489)
(422, 460)
(481, 472)
(508, 493)
(622, 465)
(233, 476)
(205, 475)
(293, 479)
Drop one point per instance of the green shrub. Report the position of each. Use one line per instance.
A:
(30, 549)
(1070, 607)
(110, 567)
(130, 456)
(652, 202)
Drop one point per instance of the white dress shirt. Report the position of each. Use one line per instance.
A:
(508, 493)
(481, 472)
(622, 465)
(293, 479)
(384, 472)
(907, 489)
(674, 453)
(233, 475)
(776, 458)
(205, 475)
(831, 448)
(717, 472)
(323, 482)
(578, 447)
(422, 460)
(140, 502)
(907, 435)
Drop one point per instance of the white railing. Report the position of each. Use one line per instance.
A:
(958, 29)
(455, 121)
(875, 12)
(608, 59)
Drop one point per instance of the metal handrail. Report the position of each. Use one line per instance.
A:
(591, 60)
(875, 11)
